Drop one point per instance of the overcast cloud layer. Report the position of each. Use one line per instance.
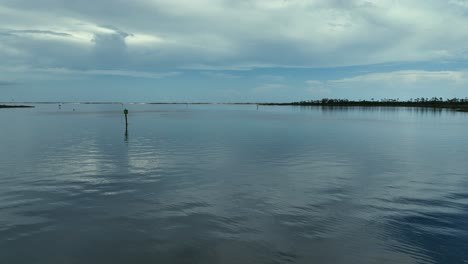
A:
(232, 50)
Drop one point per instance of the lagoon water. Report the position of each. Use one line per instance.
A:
(230, 184)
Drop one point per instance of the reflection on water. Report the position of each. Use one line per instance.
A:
(230, 184)
(358, 109)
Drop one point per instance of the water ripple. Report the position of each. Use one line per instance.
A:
(234, 186)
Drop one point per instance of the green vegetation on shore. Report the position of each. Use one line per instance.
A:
(434, 102)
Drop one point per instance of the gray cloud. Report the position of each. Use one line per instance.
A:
(117, 30)
(109, 49)
(162, 35)
(35, 31)
(6, 34)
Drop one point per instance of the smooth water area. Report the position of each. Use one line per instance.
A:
(233, 184)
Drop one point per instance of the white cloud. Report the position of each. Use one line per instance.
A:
(220, 75)
(63, 73)
(411, 83)
(407, 77)
(225, 33)
(143, 40)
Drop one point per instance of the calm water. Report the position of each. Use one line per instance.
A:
(230, 184)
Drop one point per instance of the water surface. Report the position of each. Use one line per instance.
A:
(230, 184)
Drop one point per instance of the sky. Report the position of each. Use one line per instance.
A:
(232, 50)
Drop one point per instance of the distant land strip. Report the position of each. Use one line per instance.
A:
(456, 104)
(16, 106)
(155, 103)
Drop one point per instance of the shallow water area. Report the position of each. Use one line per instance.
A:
(233, 184)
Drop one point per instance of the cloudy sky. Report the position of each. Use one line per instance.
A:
(232, 50)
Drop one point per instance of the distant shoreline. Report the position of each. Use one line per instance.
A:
(16, 106)
(156, 103)
(455, 104)
(460, 108)
(460, 105)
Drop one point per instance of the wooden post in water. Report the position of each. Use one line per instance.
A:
(126, 120)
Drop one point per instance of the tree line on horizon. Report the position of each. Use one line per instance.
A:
(418, 102)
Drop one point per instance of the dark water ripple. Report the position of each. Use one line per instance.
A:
(233, 185)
